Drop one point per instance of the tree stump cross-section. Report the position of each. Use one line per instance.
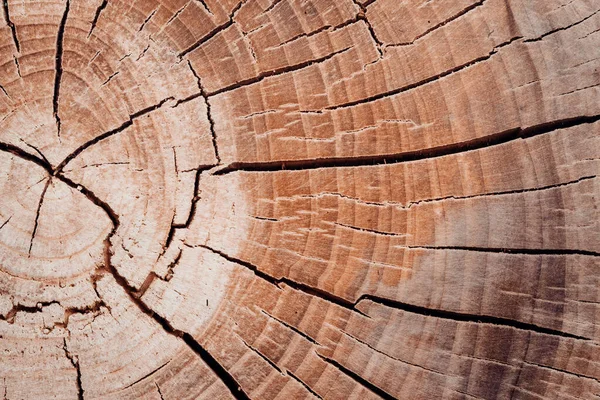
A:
(299, 199)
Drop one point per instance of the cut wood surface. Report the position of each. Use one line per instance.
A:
(300, 199)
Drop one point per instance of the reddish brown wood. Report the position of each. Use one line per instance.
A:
(289, 199)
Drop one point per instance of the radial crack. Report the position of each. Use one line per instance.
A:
(435, 152)
(37, 215)
(214, 32)
(58, 68)
(456, 316)
(465, 317)
(75, 362)
(11, 25)
(277, 71)
(359, 379)
(112, 132)
(208, 111)
(101, 7)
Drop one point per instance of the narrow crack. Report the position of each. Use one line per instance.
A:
(277, 71)
(148, 375)
(220, 371)
(214, 32)
(75, 362)
(59, 69)
(564, 28)
(13, 29)
(195, 199)
(316, 292)
(465, 317)
(159, 391)
(147, 20)
(18, 66)
(352, 306)
(291, 327)
(359, 379)
(362, 16)
(37, 215)
(208, 111)
(99, 10)
(441, 24)
(18, 152)
(381, 159)
(112, 132)
(300, 381)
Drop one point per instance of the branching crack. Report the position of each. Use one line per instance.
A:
(214, 32)
(217, 368)
(59, 69)
(455, 316)
(110, 133)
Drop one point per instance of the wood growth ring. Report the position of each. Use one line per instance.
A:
(330, 199)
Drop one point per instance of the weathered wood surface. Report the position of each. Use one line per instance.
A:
(294, 199)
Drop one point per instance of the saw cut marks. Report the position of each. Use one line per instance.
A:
(301, 199)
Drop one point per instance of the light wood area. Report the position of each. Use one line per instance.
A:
(300, 199)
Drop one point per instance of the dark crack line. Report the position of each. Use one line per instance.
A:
(426, 81)
(278, 71)
(108, 134)
(441, 24)
(465, 317)
(300, 381)
(37, 215)
(523, 251)
(315, 292)
(112, 215)
(564, 28)
(159, 391)
(18, 66)
(352, 306)
(75, 362)
(498, 193)
(147, 20)
(147, 375)
(13, 29)
(18, 152)
(59, 69)
(5, 222)
(203, 5)
(291, 327)
(210, 361)
(195, 199)
(4, 91)
(454, 148)
(213, 33)
(177, 13)
(99, 10)
(362, 16)
(359, 379)
(208, 111)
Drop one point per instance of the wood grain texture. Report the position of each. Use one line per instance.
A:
(299, 199)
